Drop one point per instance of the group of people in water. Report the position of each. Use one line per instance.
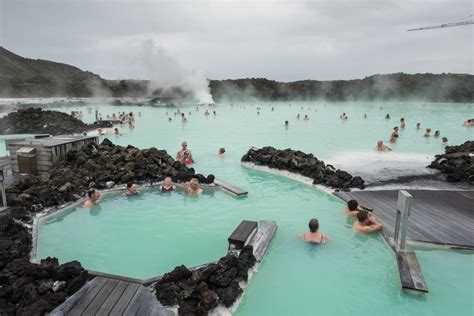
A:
(364, 223)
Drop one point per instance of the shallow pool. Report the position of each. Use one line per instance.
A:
(150, 234)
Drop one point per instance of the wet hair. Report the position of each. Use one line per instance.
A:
(286, 122)
(222, 150)
(402, 120)
(362, 215)
(437, 133)
(313, 225)
(91, 192)
(129, 185)
(352, 205)
(445, 139)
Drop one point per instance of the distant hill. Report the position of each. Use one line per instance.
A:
(24, 77)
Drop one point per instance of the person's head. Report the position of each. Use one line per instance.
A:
(129, 185)
(352, 205)
(194, 184)
(313, 225)
(380, 143)
(445, 139)
(182, 115)
(168, 181)
(395, 128)
(362, 216)
(418, 124)
(387, 116)
(184, 145)
(436, 133)
(428, 130)
(306, 115)
(169, 119)
(221, 151)
(286, 122)
(93, 194)
(402, 120)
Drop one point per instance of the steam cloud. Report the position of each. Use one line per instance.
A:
(166, 73)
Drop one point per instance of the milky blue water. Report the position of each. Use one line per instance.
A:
(149, 234)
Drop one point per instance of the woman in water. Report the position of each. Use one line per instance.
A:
(167, 185)
(314, 236)
(427, 132)
(394, 135)
(445, 141)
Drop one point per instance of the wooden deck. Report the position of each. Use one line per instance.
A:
(231, 188)
(437, 217)
(109, 296)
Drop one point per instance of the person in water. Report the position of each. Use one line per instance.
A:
(394, 135)
(314, 236)
(418, 126)
(93, 195)
(192, 187)
(184, 155)
(343, 116)
(427, 132)
(402, 123)
(366, 223)
(445, 141)
(353, 208)
(206, 113)
(365, 115)
(167, 185)
(298, 116)
(183, 118)
(381, 146)
(131, 189)
(436, 134)
(117, 132)
(287, 124)
(306, 118)
(221, 152)
(387, 117)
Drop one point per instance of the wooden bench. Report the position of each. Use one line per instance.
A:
(231, 188)
(242, 235)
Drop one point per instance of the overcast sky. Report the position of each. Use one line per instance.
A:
(281, 40)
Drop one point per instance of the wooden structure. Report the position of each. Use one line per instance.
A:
(49, 150)
(438, 217)
(110, 296)
(230, 188)
(242, 234)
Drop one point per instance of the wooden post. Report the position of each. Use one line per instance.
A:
(4, 195)
(401, 225)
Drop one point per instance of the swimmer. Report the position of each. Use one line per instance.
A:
(387, 117)
(184, 154)
(365, 115)
(169, 119)
(436, 134)
(298, 116)
(131, 189)
(167, 185)
(183, 118)
(427, 132)
(366, 223)
(418, 126)
(206, 113)
(221, 152)
(139, 113)
(381, 146)
(468, 123)
(258, 112)
(445, 141)
(192, 187)
(101, 131)
(402, 123)
(353, 208)
(93, 197)
(214, 113)
(286, 124)
(313, 236)
(306, 118)
(394, 135)
(343, 116)
(117, 132)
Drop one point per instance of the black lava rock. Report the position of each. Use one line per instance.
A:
(457, 163)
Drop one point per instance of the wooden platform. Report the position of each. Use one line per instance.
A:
(410, 273)
(107, 296)
(437, 217)
(231, 188)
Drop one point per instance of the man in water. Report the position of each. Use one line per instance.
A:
(221, 152)
(131, 189)
(381, 146)
(167, 185)
(286, 124)
(394, 135)
(93, 195)
(192, 187)
(402, 123)
(184, 155)
(445, 141)
(418, 126)
(313, 236)
(366, 223)
(117, 131)
(353, 208)
(306, 118)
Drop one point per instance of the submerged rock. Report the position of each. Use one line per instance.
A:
(38, 121)
(457, 163)
(303, 164)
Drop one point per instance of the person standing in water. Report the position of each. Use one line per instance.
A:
(394, 135)
(93, 195)
(427, 132)
(131, 189)
(402, 123)
(387, 117)
(314, 236)
(418, 126)
(184, 154)
(381, 146)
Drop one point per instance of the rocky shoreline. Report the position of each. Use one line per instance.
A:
(95, 165)
(199, 291)
(39, 121)
(457, 163)
(28, 288)
(304, 164)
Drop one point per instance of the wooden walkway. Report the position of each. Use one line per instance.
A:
(109, 296)
(438, 217)
(231, 188)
